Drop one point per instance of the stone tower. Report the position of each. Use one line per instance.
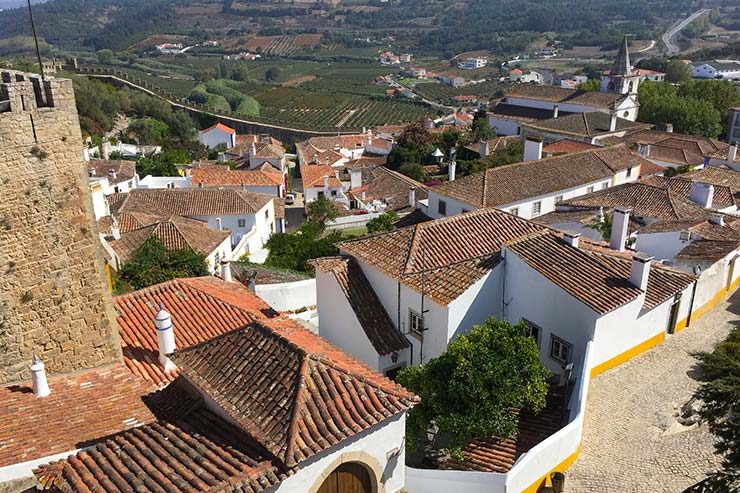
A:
(53, 295)
(621, 78)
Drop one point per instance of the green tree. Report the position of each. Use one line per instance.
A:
(603, 226)
(415, 171)
(149, 131)
(105, 57)
(153, 264)
(272, 74)
(294, 250)
(322, 211)
(475, 388)
(677, 72)
(589, 85)
(689, 113)
(382, 223)
(720, 395)
(480, 128)
(162, 164)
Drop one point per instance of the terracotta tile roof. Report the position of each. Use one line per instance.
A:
(716, 176)
(255, 139)
(189, 449)
(510, 183)
(368, 309)
(644, 200)
(313, 175)
(599, 280)
(451, 253)
(201, 308)
(317, 145)
(703, 227)
(124, 170)
(391, 187)
(267, 150)
(674, 156)
(224, 176)
(292, 391)
(175, 233)
(586, 125)
(648, 169)
(499, 455)
(694, 144)
(559, 95)
(412, 219)
(81, 408)
(195, 201)
(566, 146)
(707, 250)
(723, 195)
(115, 201)
(494, 144)
(127, 221)
(219, 126)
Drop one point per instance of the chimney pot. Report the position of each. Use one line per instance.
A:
(412, 197)
(219, 226)
(226, 274)
(613, 122)
(38, 377)
(165, 338)
(484, 149)
(452, 170)
(556, 111)
(115, 229)
(640, 270)
(669, 128)
(572, 238)
(732, 153)
(718, 219)
(620, 226)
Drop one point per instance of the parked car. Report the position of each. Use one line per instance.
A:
(289, 199)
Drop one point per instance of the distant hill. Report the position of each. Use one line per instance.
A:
(12, 4)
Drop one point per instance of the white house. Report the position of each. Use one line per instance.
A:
(254, 151)
(716, 69)
(251, 217)
(338, 150)
(217, 135)
(321, 180)
(265, 180)
(592, 127)
(533, 187)
(472, 63)
(113, 176)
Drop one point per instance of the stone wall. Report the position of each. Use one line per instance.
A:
(53, 293)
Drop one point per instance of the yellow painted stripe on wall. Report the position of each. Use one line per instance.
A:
(706, 307)
(627, 355)
(545, 480)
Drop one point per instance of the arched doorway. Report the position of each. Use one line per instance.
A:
(350, 477)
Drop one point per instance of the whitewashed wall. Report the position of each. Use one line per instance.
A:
(504, 126)
(150, 181)
(288, 296)
(661, 245)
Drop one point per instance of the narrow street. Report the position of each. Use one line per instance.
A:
(632, 441)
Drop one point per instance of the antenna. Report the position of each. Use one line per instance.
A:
(36, 40)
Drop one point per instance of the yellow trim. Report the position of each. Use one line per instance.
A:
(629, 354)
(706, 307)
(735, 283)
(108, 277)
(681, 325)
(545, 480)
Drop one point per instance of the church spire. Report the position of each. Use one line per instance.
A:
(622, 64)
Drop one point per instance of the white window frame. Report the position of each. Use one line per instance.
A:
(534, 331)
(590, 189)
(514, 211)
(537, 208)
(416, 323)
(560, 350)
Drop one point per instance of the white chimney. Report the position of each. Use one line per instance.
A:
(112, 173)
(732, 153)
(555, 111)
(412, 197)
(718, 219)
(669, 128)
(326, 186)
(218, 224)
(452, 169)
(620, 225)
(613, 122)
(355, 178)
(484, 150)
(252, 149)
(115, 229)
(640, 270)
(38, 377)
(226, 270)
(702, 194)
(572, 238)
(165, 338)
(532, 148)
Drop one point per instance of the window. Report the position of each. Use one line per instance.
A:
(242, 223)
(605, 185)
(442, 207)
(321, 194)
(333, 193)
(514, 211)
(267, 214)
(533, 331)
(416, 323)
(685, 236)
(560, 350)
(590, 189)
(558, 198)
(536, 208)
(392, 373)
(629, 172)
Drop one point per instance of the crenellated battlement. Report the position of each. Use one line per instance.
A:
(20, 91)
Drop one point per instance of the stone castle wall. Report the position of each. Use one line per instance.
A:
(53, 294)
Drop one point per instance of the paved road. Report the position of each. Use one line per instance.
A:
(632, 441)
(671, 48)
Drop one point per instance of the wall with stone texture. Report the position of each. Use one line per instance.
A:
(53, 294)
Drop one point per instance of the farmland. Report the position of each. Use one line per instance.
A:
(442, 93)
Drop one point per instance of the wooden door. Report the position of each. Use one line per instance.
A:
(347, 478)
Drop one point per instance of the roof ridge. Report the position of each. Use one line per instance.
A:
(301, 390)
(188, 282)
(585, 123)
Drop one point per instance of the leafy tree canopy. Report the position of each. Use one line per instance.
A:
(382, 223)
(590, 85)
(153, 264)
(162, 164)
(292, 251)
(720, 394)
(475, 387)
(322, 211)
